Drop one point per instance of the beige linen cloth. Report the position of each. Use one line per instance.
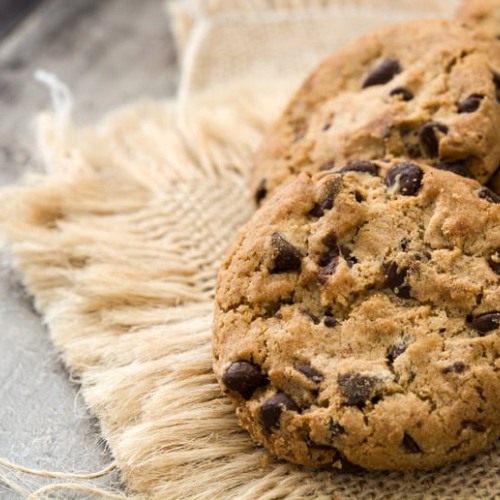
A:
(119, 244)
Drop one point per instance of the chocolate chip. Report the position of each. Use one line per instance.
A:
(494, 262)
(328, 166)
(311, 316)
(457, 366)
(488, 195)
(382, 73)
(395, 279)
(408, 177)
(456, 167)
(330, 241)
(330, 321)
(349, 258)
(329, 260)
(496, 81)
(328, 202)
(428, 139)
(244, 377)
(271, 410)
(336, 429)
(328, 270)
(487, 322)
(286, 256)
(476, 426)
(410, 445)
(356, 388)
(261, 191)
(395, 351)
(405, 94)
(327, 126)
(361, 167)
(470, 104)
(309, 372)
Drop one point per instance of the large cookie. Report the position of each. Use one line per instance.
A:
(357, 318)
(423, 90)
(484, 17)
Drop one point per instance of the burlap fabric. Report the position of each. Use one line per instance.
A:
(119, 244)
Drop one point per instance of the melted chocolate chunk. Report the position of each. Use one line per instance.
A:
(457, 367)
(395, 279)
(330, 241)
(494, 262)
(470, 104)
(487, 322)
(408, 177)
(244, 377)
(410, 445)
(405, 94)
(261, 191)
(349, 258)
(310, 372)
(311, 316)
(327, 204)
(330, 321)
(356, 388)
(286, 256)
(488, 195)
(456, 167)
(329, 260)
(328, 270)
(362, 167)
(395, 351)
(428, 138)
(271, 410)
(382, 73)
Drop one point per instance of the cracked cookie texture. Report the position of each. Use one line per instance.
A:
(426, 90)
(357, 318)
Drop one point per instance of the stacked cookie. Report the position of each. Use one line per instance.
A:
(358, 313)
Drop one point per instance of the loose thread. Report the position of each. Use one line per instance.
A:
(72, 486)
(57, 475)
(36, 495)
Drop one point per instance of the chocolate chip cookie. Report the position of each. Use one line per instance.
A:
(358, 318)
(425, 90)
(482, 15)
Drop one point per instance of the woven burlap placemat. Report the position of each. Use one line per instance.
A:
(120, 241)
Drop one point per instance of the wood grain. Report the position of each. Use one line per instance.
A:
(109, 53)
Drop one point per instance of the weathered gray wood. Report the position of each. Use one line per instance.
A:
(109, 53)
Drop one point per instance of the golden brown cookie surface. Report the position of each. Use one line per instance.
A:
(358, 318)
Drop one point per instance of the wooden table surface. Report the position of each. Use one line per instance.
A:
(109, 52)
